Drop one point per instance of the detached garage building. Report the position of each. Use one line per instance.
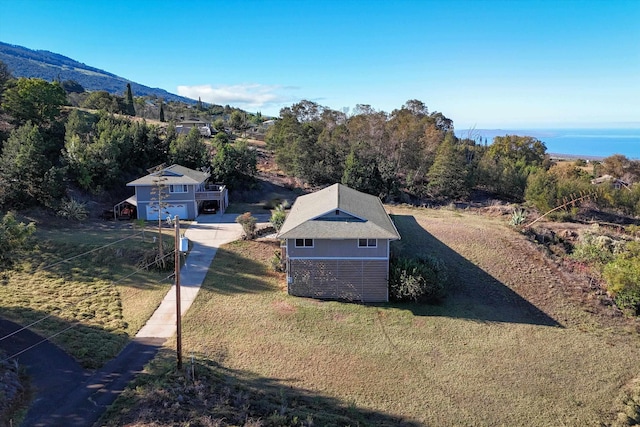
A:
(184, 192)
(336, 246)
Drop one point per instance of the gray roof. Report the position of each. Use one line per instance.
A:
(174, 174)
(338, 212)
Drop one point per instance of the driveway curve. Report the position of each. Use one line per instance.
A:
(67, 395)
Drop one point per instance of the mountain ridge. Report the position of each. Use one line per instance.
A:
(24, 62)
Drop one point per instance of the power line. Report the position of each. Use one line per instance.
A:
(88, 297)
(46, 267)
(13, 356)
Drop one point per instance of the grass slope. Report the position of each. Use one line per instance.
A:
(509, 346)
(91, 304)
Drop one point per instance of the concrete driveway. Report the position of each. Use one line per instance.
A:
(205, 235)
(69, 396)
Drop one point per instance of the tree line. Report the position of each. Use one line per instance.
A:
(47, 148)
(413, 155)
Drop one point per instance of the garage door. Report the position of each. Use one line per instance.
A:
(171, 210)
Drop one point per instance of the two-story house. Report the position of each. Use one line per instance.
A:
(336, 245)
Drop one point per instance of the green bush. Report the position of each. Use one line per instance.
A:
(278, 216)
(248, 223)
(276, 262)
(623, 277)
(73, 210)
(518, 217)
(595, 249)
(418, 279)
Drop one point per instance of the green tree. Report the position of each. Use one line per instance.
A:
(189, 150)
(542, 190)
(72, 86)
(448, 175)
(361, 173)
(23, 169)
(14, 239)
(35, 100)
(234, 165)
(5, 76)
(527, 149)
(101, 100)
(161, 111)
(238, 120)
(130, 108)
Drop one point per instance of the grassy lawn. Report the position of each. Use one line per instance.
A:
(98, 299)
(509, 346)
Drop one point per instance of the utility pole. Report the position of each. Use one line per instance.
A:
(177, 282)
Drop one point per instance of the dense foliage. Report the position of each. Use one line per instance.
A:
(623, 277)
(417, 279)
(14, 239)
(408, 153)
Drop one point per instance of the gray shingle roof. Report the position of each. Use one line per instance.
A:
(174, 174)
(338, 212)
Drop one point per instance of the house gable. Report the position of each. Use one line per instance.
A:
(348, 252)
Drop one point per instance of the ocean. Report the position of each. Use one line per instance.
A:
(586, 143)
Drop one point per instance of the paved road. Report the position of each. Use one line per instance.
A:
(67, 395)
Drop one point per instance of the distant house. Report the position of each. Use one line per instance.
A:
(336, 246)
(613, 181)
(185, 126)
(186, 192)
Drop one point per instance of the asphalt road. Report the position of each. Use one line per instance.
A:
(66, 394)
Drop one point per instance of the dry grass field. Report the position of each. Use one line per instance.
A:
(83, 288)
(513, 344)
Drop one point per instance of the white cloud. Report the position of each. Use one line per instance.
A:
(246, 96)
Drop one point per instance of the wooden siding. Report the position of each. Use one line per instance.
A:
(333, 248)
(352, 280)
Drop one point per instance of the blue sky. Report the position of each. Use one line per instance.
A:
(484, 64)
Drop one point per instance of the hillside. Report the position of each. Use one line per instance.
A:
(24, 62)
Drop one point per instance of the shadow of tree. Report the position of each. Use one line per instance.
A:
(475, 294)
(218, 395)
(231, 272)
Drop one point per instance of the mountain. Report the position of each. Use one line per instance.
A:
(24, 62)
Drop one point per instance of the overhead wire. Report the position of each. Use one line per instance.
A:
(73, 325)
(59, 309)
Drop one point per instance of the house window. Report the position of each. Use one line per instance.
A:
(304, 243)
(367, 243)
(180, 188)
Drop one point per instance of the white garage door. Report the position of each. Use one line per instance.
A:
(171, 210)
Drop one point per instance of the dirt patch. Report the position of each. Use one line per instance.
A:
(283, 307)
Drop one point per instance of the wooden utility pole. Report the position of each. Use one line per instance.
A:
(177, 282)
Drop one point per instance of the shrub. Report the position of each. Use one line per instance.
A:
(418, 279)
(276, 262)
(278, 216)
(73, 210)
(623, 277)
(518, 217)
(594, 249)
(248, 223)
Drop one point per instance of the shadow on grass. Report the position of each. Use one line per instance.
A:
(211, 392)
(231, 272)
(64, 392)
(476, 295)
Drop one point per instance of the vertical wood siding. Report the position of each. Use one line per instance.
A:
(352, 280)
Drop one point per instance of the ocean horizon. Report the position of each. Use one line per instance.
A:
(575, 142)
